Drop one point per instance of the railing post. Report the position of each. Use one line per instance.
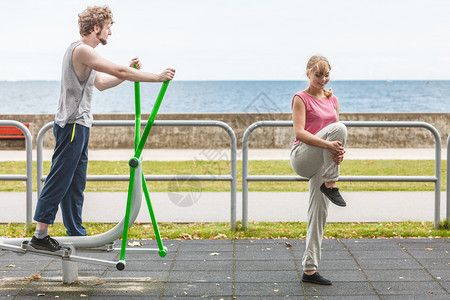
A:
(244, 178)
(448, 179)
(39, 156)
(29, 149)
(29, 168)
(437, 171)
(245, 139)
(233, 183)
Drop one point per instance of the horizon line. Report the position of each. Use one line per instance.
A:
(247, 80)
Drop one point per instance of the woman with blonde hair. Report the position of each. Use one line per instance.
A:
(317, 151)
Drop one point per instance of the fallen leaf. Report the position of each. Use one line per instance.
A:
(135, 244)
(220, 236)
(186, 236)
(35, 276)
(10, 266)
(429, 249)
(288, 244)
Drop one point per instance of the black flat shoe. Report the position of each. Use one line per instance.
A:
(47, 244)
(333, 195)
(316, 278)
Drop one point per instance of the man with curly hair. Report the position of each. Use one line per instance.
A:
(82, 69)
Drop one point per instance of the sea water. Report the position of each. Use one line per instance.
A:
(33, 97)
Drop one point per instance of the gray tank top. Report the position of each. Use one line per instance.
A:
(76, 95)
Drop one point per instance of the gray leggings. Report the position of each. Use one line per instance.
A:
(316, 164)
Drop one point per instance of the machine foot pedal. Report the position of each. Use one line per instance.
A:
(64, 252)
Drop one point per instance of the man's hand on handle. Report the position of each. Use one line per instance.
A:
(167, 74)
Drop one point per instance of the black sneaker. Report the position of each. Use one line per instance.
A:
(333, 194)
(316, 278)
(47, 244)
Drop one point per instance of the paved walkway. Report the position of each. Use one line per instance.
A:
(263, 206)
(244, 269)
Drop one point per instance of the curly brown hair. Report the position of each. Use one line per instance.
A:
(93, 15)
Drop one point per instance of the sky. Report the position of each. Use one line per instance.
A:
(238, 39)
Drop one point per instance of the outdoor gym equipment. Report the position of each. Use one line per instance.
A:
(105, 241)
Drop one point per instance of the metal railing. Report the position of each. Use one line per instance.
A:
(109, 123)
(436, 178)
(29, 167)
(448, 179)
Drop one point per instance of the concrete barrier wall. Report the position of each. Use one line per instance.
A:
(210, 137)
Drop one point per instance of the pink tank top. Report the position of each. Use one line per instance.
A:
(319, 113)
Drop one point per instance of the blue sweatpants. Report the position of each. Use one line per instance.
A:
(66, 180)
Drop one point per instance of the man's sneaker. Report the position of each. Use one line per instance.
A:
(333, 194)
(316, 278)
(47, 244)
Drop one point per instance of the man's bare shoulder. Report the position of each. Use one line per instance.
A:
(82, 58)
(85, 55)
(84, 49)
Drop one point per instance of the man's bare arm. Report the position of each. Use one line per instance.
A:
(85, 55)
(103, 81)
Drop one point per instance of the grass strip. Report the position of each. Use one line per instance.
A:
(256, 230)
(263, 167)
